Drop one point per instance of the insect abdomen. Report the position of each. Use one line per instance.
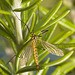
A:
(35, 55)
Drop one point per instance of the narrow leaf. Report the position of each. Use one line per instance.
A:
(19, 54)
(29, 68)
(25, 1)
(61, 60)
(64, 22)
(65, 45)
(13, 46)
(2, 33)
(4, 68)
(48, 17)
(5, 12)
(60, 37)
(24, 20)
(68, 67)
(67, 24)
(9, 21)
(64, 69)
(30, 7)
(55, 20)
(47, 36)
(5, 26)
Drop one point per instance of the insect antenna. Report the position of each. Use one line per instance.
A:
(10, 59)
(23, 22)
(43, 32)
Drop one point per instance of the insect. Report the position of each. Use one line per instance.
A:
(31, 48)
(49, 47)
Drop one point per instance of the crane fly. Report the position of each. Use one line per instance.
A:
(49, 47)
(31, 48)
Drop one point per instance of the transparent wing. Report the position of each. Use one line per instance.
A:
(27, 53)
(51, 48)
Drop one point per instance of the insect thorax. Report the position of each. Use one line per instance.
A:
(34, 37)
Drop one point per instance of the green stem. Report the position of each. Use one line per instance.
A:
(18, 23)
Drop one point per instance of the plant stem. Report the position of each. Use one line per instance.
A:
(18, 23)
(18, 26)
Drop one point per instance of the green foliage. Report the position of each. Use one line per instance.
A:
(3, 68)
(65, 68)
(30, 7)
(19, 35)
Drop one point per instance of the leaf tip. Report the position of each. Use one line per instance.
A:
(69, 10)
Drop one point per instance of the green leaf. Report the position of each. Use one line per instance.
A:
(45, 71)
(9, 21)
(4, 5)
(19, 54)
(59, 61)
(24, 20)
(25, 1)
(60, 37)
(32, 26)
(48, 17)
(55, 20)
(7, 30)
(2, 72)
(43, 10)
(30, 15)
(64, 69)
(57, 71)
(5, 35)
(8, 2)
(67, 24)
(13, 46)
(5, 26)
(68, 67)
(72, 41)
(64, 22)
(65, 45)
(72, 59)
(30, 7)
(43, 55)
(29, 68)
(4, 68)
(5, 12)
(27, 27)
(47, 36)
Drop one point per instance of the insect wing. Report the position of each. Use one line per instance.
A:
(27, 53)
(51, 48)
